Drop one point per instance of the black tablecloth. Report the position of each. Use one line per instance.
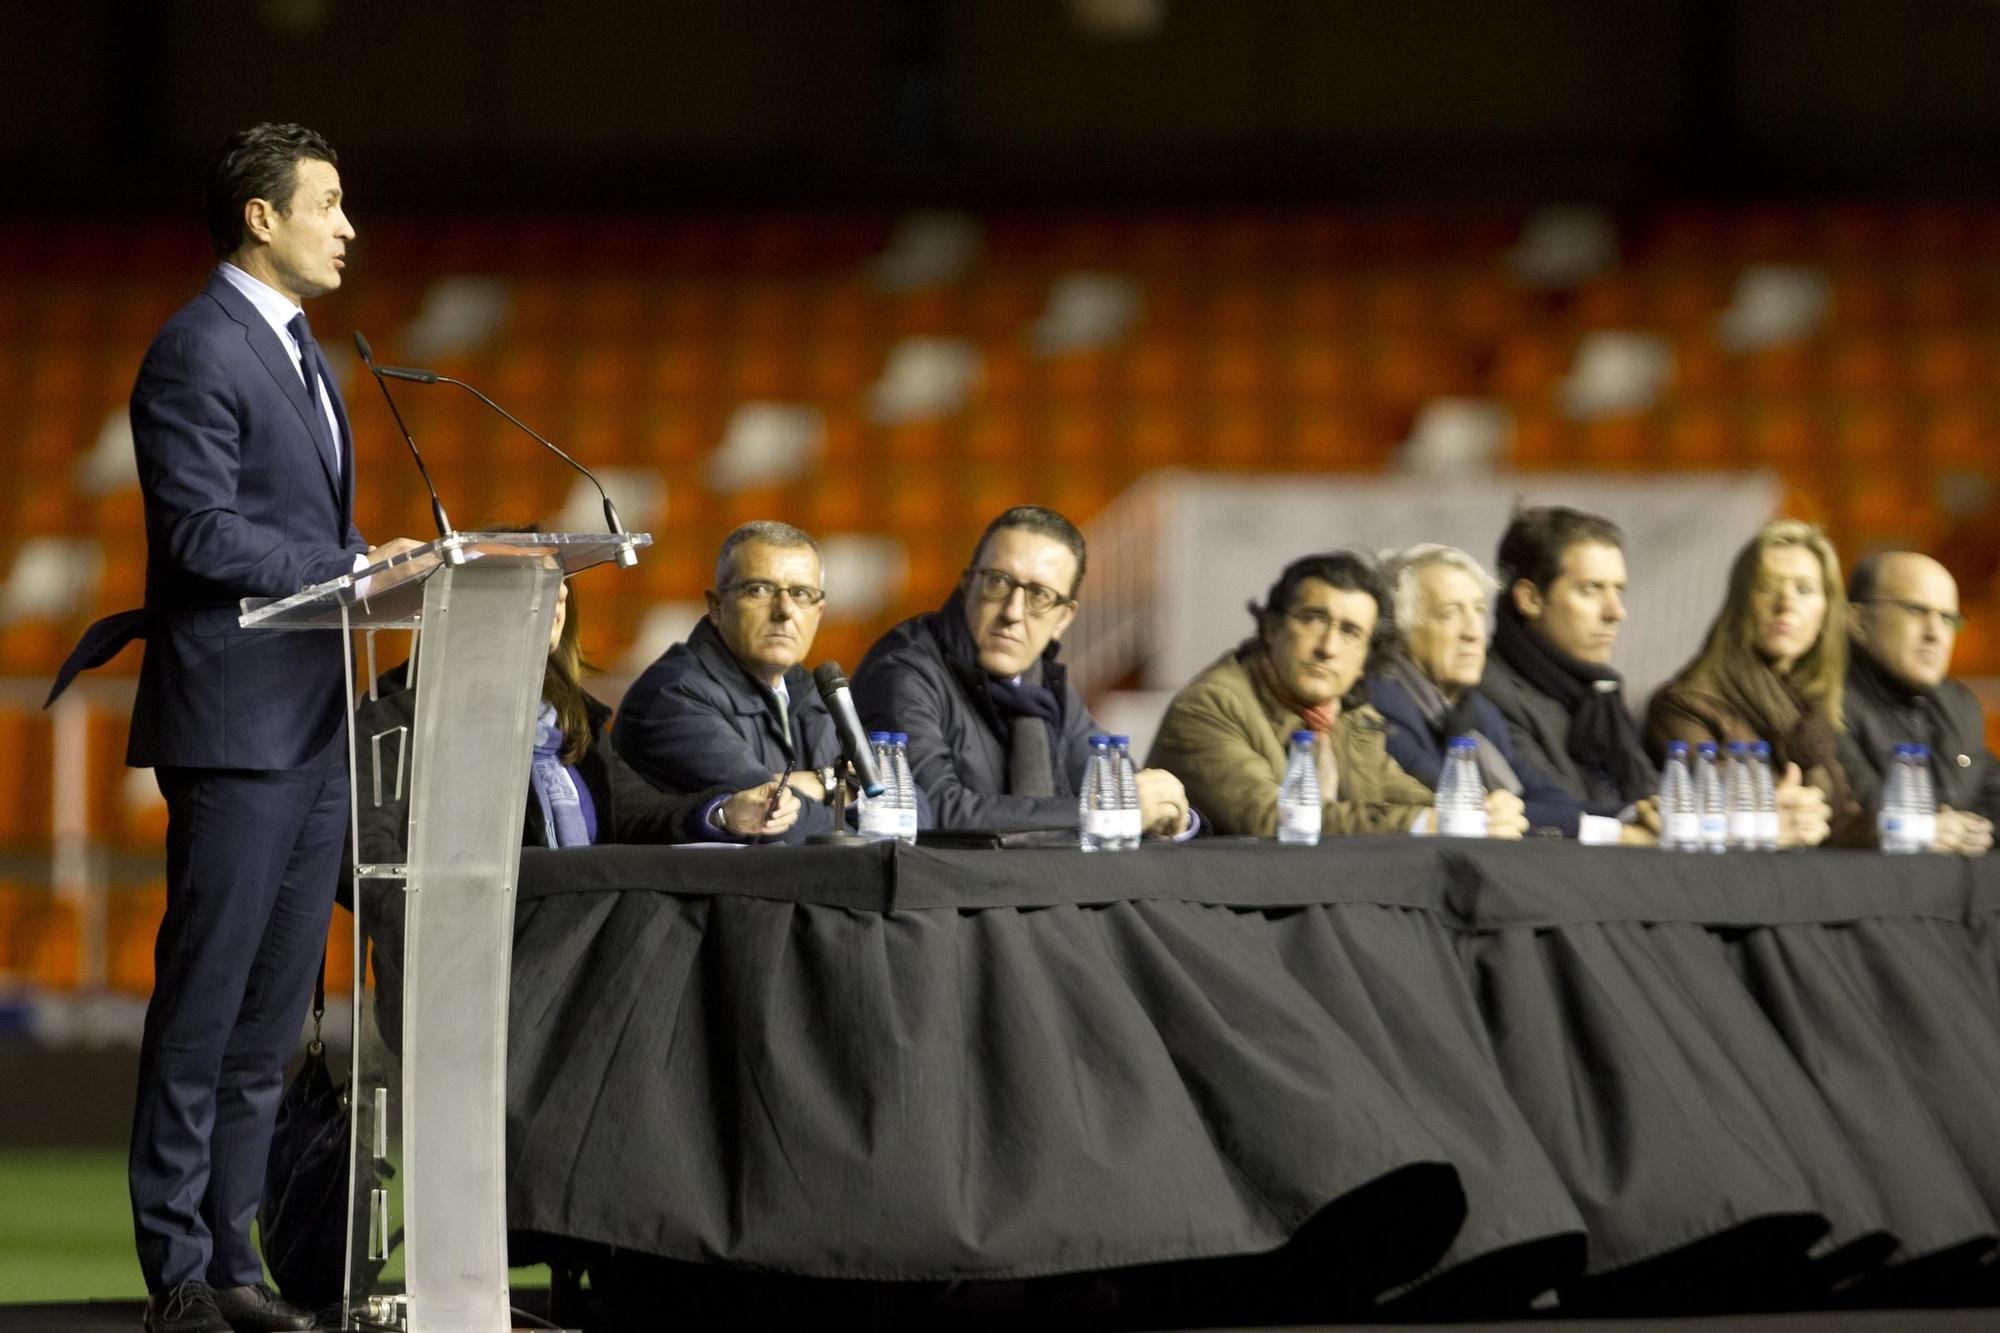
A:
(1458, 1067)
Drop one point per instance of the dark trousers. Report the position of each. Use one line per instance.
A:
(252, 860)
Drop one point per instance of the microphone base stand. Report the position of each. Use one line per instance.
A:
(838, 836)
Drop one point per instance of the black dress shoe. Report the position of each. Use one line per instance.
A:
(258, 1310)
(188, 1307)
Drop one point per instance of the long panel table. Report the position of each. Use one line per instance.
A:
(1446, 1077)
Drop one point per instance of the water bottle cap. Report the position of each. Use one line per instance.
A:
(1705, 747)
(1739, 747)
(1677, 748)
(880, 737)
(900, 737)
(1121, 742)
(1921, 751)
(1302, 738)
(1762, 749)
(1464, 743)
(1100, 742)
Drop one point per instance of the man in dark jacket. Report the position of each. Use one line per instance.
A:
(999, 739)
(1427, 689)
(1562, 599)
(1905, 622)
(733, 706)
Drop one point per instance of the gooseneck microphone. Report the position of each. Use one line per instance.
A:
(437, 506)
(627, 556)
(832, 684)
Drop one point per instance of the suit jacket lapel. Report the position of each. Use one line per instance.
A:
(285, 372)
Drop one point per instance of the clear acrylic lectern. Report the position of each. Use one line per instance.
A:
(427, 1229)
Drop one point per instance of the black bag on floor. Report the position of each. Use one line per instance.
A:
(303, 1218)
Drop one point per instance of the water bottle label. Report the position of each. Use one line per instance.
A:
(1923, 831)
(1102, 824)
(1743, 827)
(1767, 828)
(1895, 834)
(1714, 829)
(1684, 828)
(1298, 822)
(878, 821)
(1462, 823)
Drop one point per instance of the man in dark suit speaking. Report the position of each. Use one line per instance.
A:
(248, 472)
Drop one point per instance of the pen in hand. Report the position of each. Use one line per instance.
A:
(778, 792)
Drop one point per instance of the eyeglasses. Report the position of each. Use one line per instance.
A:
(1316, 623)
(995, 585)
(1918, 611)
(757, 592)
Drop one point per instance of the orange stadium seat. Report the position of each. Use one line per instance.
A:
(1324, 304)
(1863, 363)
(55, 946)
(134, 922)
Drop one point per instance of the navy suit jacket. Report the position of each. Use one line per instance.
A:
(1413, 744)
(242, 500)
(695, 720)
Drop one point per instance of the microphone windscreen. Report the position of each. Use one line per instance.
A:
(829, 677)
(361, 346)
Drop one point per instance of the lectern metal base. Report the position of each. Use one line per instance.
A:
(837, 838)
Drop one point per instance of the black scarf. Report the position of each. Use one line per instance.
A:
(1602, 736)
(1031, 711)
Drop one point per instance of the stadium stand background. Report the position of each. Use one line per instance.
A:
(882, 268)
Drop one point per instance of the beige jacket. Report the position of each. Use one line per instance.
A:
(1226, 738)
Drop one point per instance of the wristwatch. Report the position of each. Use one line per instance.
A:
(827, 780)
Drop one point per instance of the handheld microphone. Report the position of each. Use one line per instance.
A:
(832, 683)
(368, 359)
(627, 554)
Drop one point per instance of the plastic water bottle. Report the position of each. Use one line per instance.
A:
(1923, 798)
(1299, 810)
(1097, 803)
(876, 815)
(1767, 796)
(1680, 824)
(1894, 821)
(1131, 829)
(1461, 793)
(1708, 803)
(1739, 798)
(906, 787)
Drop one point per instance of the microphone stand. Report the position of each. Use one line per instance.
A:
(839, 836)
(628, 554)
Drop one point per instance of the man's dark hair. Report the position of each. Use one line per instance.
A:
(1047, 522)
(1533, 545)
(1344, 571)
(258, 163)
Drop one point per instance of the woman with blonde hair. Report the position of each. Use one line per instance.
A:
(1773, 669)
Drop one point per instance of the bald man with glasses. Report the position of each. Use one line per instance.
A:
(1905, 623)
(998, 736)
(734, 706)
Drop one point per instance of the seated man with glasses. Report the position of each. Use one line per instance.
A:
(1229, 729)
(1904, 625)
(999, 739)
(733, 706)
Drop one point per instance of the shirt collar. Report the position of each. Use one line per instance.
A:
(277, 309)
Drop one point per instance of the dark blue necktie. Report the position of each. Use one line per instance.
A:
(313, 366)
